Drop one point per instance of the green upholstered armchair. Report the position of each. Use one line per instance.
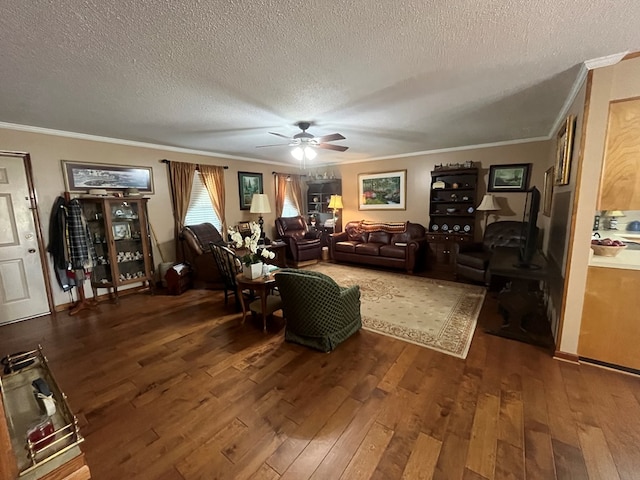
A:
(319, 313)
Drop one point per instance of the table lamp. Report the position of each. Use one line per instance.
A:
(487, 205)
(335, 202)
(260, 205)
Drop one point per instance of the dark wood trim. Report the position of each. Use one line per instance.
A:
(105, 297)
(631, 55)
(610, 366)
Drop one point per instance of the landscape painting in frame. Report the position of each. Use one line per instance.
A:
(82, 177)
(509, 178)
(382, 191)
(248, 185)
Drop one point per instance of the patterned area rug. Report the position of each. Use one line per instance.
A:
(433, 313)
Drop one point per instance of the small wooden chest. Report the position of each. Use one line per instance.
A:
(178, 279)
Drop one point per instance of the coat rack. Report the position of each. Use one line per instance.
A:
(83, 303)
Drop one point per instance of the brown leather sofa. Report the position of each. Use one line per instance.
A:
(385, 245)
(195, 240)
(303, 246)
(472, 260)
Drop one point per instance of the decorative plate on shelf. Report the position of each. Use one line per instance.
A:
(467, 228)
(434, 227)
(456, 228)
(470, 209)
(445, 227)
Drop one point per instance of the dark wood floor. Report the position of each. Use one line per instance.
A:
(174, 388)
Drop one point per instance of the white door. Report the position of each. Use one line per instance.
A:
(22, 288)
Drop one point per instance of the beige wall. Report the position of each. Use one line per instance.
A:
(48, 150)
(609, 83)
(419, 181)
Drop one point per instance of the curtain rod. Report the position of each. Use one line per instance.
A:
(169, 161)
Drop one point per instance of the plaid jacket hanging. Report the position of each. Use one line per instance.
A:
(82, 255)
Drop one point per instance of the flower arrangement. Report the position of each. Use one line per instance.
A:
(254, 254)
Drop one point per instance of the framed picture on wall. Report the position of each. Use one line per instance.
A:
(509, 178)
(382, 191)
(82, 177)
(248, 184)
(564, 150)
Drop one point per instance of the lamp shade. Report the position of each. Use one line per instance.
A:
(260, 203)
(488, 204)
(335, 201)
(615, 213)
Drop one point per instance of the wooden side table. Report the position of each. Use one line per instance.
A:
(267, 304)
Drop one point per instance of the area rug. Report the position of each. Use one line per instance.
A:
(433, 313)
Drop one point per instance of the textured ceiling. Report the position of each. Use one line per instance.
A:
(394, 77)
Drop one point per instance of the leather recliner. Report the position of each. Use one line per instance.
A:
(302, 245)
(472, 260)
(196, 239)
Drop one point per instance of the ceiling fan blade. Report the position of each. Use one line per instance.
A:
(330, 138)
(328, 146)
(273, 145)
(280, 135)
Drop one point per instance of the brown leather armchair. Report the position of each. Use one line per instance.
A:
(302, 245)
(472, 260)
(196, 239)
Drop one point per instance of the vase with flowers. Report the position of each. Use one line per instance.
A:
(252, 260)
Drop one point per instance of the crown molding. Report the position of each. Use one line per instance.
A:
(129, 143)
(605, 61)
(451, 149)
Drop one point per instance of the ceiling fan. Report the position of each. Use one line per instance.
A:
(305, 139)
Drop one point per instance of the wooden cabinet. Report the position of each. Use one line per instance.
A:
(620, 182)
(318, 196)
(119, 229)
(319, 193)
(452, 213)
(441, 244)
(610, 331)
(55, 457)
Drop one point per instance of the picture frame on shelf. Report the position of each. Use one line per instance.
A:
(564, 150)
(80, 177)
(547, 195)
(509, 178)
(382, 191)
(248, 184)
(121, 231)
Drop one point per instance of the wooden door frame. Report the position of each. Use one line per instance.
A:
(33, 200)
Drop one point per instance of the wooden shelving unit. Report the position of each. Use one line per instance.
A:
(453, 199)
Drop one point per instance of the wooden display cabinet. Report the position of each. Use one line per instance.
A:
(56, 456)
(119, 230)
(452, 209)
(318, 196)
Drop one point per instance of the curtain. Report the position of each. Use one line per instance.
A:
(213, 179)
(296, 193)
(181, 177)
(281, 192)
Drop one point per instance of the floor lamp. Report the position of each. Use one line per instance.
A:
(487, 205)
(260, 205)
(335, 202)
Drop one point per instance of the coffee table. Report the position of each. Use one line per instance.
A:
(267, 304)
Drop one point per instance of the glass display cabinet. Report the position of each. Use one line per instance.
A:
(120, 235)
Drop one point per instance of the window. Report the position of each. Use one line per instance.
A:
(289, 209)
(200, 208)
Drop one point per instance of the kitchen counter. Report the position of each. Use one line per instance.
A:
(628, 259)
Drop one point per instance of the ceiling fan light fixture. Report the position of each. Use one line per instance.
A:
(297, 153)
(310, 153)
